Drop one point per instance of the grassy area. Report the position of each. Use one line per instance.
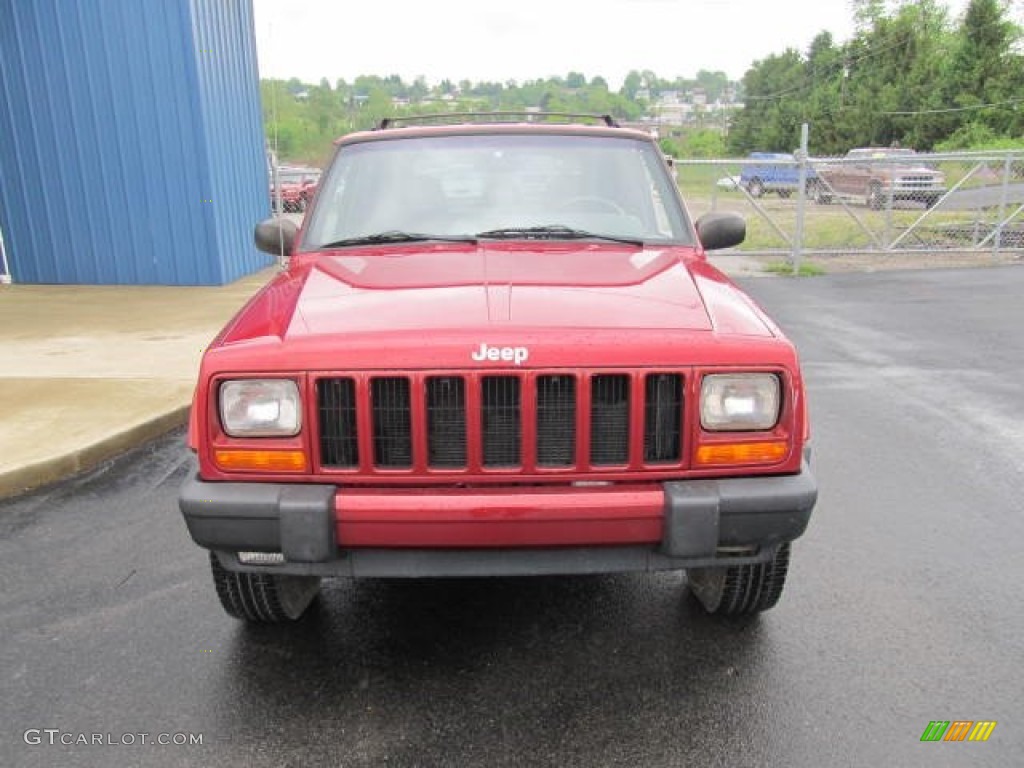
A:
(701, 179)
(772, 222)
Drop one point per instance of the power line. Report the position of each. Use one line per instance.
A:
(844, 63)
(954, 109)
(875, 48)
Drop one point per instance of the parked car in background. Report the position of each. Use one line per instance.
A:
(877, 176)
(776, 172)
(729, 182)
(298, 185)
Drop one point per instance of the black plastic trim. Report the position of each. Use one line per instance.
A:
(706, 523)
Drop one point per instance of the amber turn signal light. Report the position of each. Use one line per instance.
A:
(233, 459)
(722, 454)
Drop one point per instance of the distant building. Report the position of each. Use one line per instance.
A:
(673, 113)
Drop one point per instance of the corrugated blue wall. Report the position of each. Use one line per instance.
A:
(131, 146)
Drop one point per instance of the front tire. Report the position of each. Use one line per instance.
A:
(740, 590)
(263, 598)
(755, 187)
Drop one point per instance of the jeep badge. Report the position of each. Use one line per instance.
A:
(517, 355)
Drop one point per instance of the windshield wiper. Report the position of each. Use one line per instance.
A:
(553, 232)
(397, 236)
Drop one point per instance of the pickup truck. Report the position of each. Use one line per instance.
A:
(878, 176)
(498, 348)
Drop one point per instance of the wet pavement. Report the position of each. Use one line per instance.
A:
(901, 606)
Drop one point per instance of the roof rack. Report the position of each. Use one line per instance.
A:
(484, 118)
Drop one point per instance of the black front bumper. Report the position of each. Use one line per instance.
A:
(707, 522)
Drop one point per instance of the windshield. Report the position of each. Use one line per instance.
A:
(493, 185)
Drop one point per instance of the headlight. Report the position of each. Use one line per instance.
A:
(735, 402)
(260, 408)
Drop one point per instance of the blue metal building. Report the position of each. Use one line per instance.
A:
(131, 143)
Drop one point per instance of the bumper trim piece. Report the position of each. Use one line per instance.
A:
(480, 563)
(700, 519)
(296, 520)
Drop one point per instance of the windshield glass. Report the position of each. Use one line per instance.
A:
(467, 185)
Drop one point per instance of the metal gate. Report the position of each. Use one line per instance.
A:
(883, 200)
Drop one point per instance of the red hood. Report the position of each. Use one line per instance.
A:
(446, 287)
(427, 305)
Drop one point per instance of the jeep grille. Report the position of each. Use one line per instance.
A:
(516, 422)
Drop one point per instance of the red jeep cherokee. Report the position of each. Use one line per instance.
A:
(498, 349)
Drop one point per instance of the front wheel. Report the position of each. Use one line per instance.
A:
(263, 598)
(755, 187)
(740, 590)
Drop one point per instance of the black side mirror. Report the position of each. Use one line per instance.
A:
(721, 230)
(276, 236)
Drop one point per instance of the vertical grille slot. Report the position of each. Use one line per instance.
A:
(392, 423)
(609, 419)
(556, 421)
(500, 412)
(446, 421)
(336, 399)
(663, 417)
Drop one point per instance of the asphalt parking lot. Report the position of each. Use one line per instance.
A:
(902, 606)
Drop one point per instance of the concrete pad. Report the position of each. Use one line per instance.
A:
(87, 372)
(737, 265)
(58, 427)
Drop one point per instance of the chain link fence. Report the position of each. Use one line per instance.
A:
(885, 201)
(291, 186)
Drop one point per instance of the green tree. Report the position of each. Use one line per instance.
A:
(827, 96)
(773, 105)
(575, 80)
(893, 69)
(985, 69)
(866, 13)
(631, 85)
(908, 75)
(702, 142)
(714, 84)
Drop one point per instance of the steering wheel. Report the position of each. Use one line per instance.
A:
(591, 203)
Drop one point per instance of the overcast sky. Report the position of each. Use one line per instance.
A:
(502, 40)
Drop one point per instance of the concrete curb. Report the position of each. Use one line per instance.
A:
(20, 480)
